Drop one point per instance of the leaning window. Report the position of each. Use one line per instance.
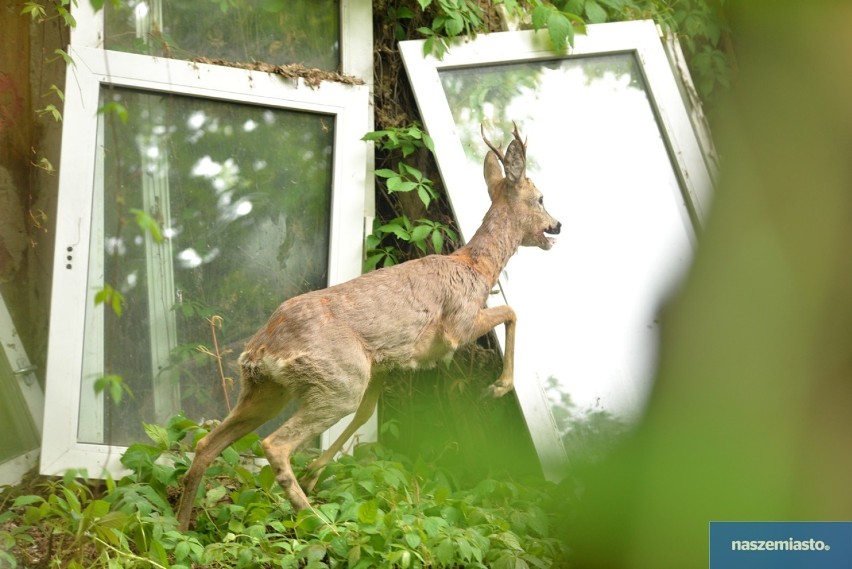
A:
(21, 404)
(615, 154)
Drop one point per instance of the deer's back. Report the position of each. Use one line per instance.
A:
(410, 315)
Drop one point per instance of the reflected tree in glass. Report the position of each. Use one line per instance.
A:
(587, 330)
(19, 433)
(245, 31)
(241, 196)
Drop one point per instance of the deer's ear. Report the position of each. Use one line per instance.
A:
(516, 162)
(493, 171)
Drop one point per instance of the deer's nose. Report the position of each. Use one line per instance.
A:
(555, 229)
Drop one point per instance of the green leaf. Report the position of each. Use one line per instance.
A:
(464, 548)
(97, 508)
(424, 195)
(413, 540)
(27, 500)
(573, 6)
(372, 261)
(420, 233)
(58, 92)
(445, 551)
(36, 11)
(433, 524)
(411, 171)
(561, 31)
(428, 143)
(368, 512)
(385, 173)
(424, 3)
(330, 511)
(115, 385)
(541, 14)
(157, 434)
(247, 442)
(64, 55)
(404, 13)
(110, 296)
(595, 13)
(454, 25)
(510, 540)
(139, 456)
(115, 108)
(53, 111)
(148, 224)
(400, 185)
(437, 241)
(397, 230)
(66, 17)
(96, 4)
(231, 456)
(73, 503)
(214, 495)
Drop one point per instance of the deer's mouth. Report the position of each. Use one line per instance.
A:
(547, 241)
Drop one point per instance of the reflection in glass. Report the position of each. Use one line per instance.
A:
(241, 197)
(19, 433)
(587, 329)
(245, 31)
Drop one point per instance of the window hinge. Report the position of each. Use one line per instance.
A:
(26, 371)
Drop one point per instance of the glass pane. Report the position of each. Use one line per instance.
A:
(270, 31)
(241, 196)
(19, 433)
(586, 309)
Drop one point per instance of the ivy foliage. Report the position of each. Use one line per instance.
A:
(386, 244)
(700, 25)
(375, 508)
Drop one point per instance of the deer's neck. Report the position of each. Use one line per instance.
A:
(493, 244)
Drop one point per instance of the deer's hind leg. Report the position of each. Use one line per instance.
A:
(258, 403)
(364, 412)
(323, 400)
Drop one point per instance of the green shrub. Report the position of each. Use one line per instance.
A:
(374, 508)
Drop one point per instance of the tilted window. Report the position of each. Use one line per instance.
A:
(612, 149)
(21, 404)
(199, 189)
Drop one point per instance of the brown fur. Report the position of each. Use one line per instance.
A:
(322, 348)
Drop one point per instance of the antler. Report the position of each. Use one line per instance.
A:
(493, 148)
(497, 151)
(517, 136)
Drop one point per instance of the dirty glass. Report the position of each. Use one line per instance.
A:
(207, 214)
(278, 32)
(587, 328)
(19, 433)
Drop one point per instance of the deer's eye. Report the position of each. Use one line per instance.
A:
(540, 200)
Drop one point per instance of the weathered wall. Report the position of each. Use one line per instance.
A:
(29, 153)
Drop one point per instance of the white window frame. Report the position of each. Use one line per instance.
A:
(26, 382)
(692, 168)
(93, 68)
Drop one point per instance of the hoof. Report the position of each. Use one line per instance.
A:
(495, 390)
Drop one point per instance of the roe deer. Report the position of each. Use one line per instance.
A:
(321, 348)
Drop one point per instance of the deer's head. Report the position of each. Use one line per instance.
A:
(519, 192)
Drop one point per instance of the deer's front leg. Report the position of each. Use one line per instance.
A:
(486, 320)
